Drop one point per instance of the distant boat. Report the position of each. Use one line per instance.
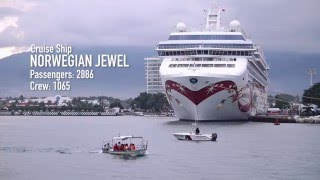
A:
(138, 113)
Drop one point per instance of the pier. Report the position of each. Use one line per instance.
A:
(272, 119)
(286, 119)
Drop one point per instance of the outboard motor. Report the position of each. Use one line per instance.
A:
(214, 137)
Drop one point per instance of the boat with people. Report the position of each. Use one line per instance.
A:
(195, 135)
(126, 146)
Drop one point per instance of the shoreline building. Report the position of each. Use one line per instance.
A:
(153, 80)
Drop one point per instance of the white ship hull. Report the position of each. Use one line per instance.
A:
(214, 96)
(222, 105)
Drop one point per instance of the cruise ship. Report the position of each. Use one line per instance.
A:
(215, 73)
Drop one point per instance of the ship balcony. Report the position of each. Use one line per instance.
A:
(260, 61)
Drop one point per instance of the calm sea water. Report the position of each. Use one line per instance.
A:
(69, 148)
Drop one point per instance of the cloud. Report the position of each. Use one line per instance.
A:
(11, 34)
(8, 51)
(276, 25)
(20, 5)
(100, 22)
(7, 22)
(7, 11)
(283, 25)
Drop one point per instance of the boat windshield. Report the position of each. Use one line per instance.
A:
(123, 138)
(128, 140)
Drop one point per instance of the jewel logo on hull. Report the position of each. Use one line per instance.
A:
(198, 96)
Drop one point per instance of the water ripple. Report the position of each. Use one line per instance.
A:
(22, 149)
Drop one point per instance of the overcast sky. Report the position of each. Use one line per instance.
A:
(278, 25)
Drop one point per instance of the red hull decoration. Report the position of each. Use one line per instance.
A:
(198, 96)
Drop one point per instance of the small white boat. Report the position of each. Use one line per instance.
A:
(138, 114)
(126, 146)
(195, 137)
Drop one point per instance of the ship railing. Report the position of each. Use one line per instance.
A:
(244, 33)
(257, 70)
(261, 53)
(189, 29)
(203, 59)
(202, 29)
(217, 46)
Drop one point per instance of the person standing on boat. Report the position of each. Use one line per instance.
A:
(197, 131)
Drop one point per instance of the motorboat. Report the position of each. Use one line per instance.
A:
(195, 135)
(138, 114)
(126, 146)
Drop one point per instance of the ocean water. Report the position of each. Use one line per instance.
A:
(70, 148)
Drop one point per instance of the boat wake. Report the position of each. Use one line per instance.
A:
(16, 149)
(96, 151)
(63, 151)
(59, 150)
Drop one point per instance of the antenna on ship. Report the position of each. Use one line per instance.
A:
(311, 73)
(213, 19)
